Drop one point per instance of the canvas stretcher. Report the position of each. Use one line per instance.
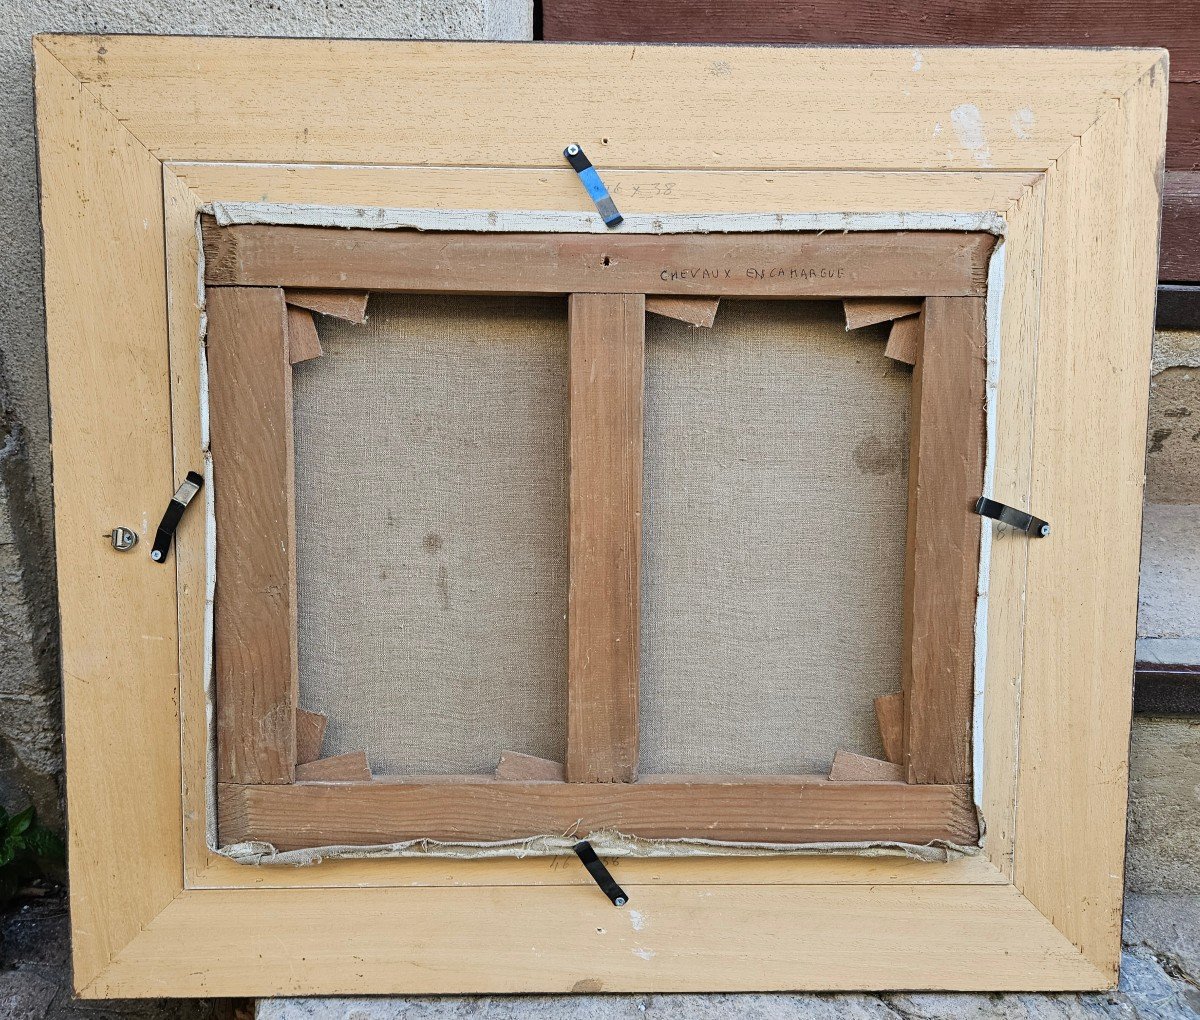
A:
(249, 373)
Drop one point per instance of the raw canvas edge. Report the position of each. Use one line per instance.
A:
(558, 221)
(497, 221)
(608, 843)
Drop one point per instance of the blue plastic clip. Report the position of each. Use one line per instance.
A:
(595, 187)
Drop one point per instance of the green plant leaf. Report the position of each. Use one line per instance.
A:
(26, 849)
(45, 844)
(21, 821)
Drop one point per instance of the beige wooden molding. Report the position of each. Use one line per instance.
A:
(136, 134)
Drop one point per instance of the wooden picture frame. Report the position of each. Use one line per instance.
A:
(1063, 151)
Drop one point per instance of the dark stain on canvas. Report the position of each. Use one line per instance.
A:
(874, 457)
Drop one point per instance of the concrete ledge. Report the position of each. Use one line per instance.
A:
(1169, 594)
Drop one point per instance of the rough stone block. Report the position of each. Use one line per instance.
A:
(1173, 437)
(1164, 806)
(1168, 924)
(1169, 592)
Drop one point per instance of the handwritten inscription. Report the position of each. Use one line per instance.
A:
(753, 273)
(654, 189)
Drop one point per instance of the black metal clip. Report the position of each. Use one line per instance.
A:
(179, 503)
(605, 206)
(600, 873)
(1013, 517)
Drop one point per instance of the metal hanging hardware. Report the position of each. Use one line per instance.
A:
(122, 539)
(179, 503)
(595, 866)
(1014, 518)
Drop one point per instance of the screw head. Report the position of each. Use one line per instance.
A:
(156, 555)
(1044, 530)
(572, 150)
(123, 539)
(620, 901)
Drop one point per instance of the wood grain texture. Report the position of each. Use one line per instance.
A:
(693, 311)
(889, 714)
(766, 809)
(303, 344)
(904, 340)
(785, 937)
(1179, 259)
(1011, 483)
(946, 461)
(607, 337)
(940, 23)
(102, 224)
(949, 23)
(1183, 125)
(943, 23)
(254, 644)
(849, 767)
(181, 209)
(348, 305)
(310, 735)
(679, 190)
(516, 767)
(341, 768)
(646, 191)
(761, 265)
(861, 312)
(976, 937)
(780, 108)
(1099, 268)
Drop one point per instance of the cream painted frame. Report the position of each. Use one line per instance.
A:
(137, 133)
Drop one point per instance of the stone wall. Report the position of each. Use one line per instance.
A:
(1164, 766)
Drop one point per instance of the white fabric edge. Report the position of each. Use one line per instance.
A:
(995, 294)
(609, 843)
(557, 221)
(489, 221)
(210, 559)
